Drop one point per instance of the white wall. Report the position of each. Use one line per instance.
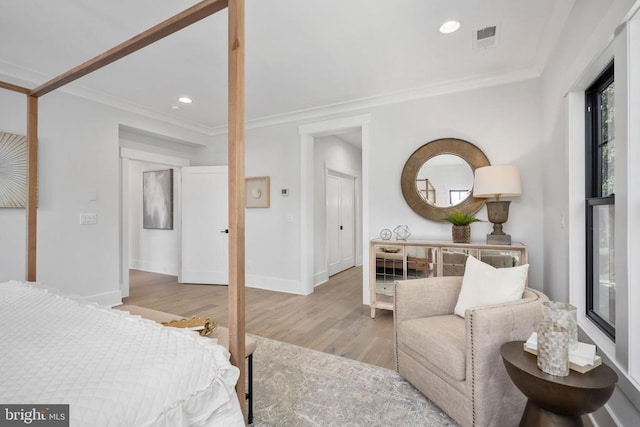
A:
(330, 152)
(157, 251)
(13, 225)
(79, 154)
(594, 32)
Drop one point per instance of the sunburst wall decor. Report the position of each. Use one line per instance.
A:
(13, 170)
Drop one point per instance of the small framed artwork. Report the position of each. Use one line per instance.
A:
(257, 192)
(157, 199)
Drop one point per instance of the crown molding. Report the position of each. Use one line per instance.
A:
(438, 89)
(29, 78)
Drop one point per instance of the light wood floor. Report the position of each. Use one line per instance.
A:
(332, 319)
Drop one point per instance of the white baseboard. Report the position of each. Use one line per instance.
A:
(320, 278)
(320, 283)
(154, 267)
(276, 284)
(602, 418)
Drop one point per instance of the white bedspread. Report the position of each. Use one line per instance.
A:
(113, 369)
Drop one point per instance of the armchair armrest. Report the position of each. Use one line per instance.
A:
(434, 296)
(508, 321)
(487, 328)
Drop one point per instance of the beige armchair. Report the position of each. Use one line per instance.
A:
(456, 362)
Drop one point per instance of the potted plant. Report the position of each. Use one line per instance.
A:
(461, 228)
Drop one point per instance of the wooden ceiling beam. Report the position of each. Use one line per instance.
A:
(15, 88)
(194, 14)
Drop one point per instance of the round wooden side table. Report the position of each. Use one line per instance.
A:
(552, 400)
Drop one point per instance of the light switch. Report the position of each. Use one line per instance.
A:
(88, 219)
(93, 195)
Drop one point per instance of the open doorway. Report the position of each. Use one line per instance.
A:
(337, 208)
(146, 249)
(142, 151)
(311, 232)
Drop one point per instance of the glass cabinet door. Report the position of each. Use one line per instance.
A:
(499, 258)
(454, 260)
(420, 262)
(389, 267)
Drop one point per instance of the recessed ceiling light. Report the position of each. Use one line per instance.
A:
(449, 27)
(185, 100)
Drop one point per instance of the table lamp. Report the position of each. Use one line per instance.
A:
(497, 181)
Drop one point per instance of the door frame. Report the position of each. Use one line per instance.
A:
(126, 155)
(307, 134)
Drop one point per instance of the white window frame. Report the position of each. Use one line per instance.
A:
(625, 351)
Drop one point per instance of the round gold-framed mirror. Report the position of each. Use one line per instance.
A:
(450, 161)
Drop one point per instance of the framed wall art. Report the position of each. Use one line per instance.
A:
(157, 199)
(13, 170)
(257, 192)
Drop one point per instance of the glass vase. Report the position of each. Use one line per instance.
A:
(564, 315)
(553, 349)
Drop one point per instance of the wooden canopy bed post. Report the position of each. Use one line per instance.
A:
(236, 151)
(236, 192)
(32, 185)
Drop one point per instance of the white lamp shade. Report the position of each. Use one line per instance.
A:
(497, 181)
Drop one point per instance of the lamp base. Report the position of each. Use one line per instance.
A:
(498, 239)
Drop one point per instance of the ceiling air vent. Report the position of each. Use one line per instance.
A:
(484, 37)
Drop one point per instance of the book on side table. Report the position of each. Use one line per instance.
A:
(582, 359)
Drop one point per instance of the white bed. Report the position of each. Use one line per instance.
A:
(112, 368)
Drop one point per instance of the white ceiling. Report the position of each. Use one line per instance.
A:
(300, 55)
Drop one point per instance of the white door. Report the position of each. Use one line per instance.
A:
(205, 238)
(333, 223)
(347, 223)
(340, 222)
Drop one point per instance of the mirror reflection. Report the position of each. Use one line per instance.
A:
(445, 180)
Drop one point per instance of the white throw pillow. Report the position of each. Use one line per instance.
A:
(484, 284)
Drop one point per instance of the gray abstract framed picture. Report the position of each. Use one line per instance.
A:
(157, 199)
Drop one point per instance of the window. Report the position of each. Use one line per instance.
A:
(457, 196)
(600, 202)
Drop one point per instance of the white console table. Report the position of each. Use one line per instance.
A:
(391, 260)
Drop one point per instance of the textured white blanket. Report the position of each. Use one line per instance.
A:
(112, 368)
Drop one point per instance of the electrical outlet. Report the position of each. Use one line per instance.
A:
(88, 219)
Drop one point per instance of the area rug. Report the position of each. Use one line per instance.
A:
(295, 386)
